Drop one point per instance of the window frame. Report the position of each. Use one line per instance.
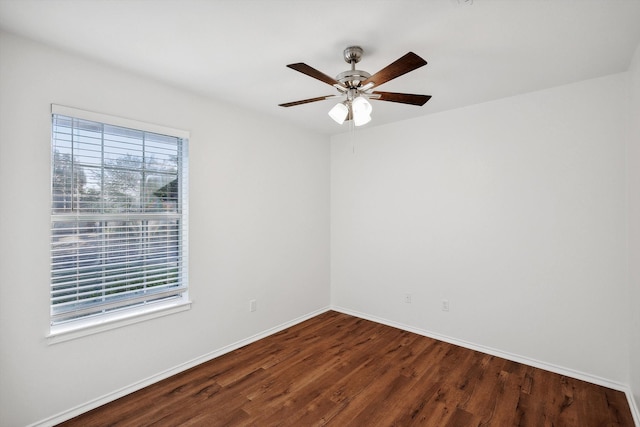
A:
(72, 329)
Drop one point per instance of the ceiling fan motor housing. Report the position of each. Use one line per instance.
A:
(352, 78)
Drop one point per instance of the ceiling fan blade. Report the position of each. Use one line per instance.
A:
(403, 98)
(306, 101)
(312, 72)
(407, 63)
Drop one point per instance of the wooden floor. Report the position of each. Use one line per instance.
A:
(340, 370)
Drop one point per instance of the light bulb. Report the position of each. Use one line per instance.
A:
(339, 113)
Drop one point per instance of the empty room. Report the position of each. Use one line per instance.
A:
(210, 213)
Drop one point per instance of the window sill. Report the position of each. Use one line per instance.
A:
(67, 332)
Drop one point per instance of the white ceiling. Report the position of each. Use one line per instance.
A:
(236, 50)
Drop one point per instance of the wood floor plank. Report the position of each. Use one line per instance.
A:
(379, 395)
(339, 370)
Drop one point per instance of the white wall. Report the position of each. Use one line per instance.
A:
(633, 168)
(259, 228)
(513, 210)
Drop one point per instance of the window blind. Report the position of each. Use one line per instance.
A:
(119, 221)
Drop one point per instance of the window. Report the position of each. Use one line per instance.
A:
(119, 207)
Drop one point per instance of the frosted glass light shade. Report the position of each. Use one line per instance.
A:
(361, 106)
(361, 111)
(339, 113)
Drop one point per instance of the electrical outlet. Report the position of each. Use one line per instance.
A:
(407, 298)
(253, 305)
(445, 305)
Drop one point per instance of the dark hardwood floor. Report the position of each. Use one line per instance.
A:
(340, 370)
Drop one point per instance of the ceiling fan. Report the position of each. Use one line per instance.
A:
(355, 87)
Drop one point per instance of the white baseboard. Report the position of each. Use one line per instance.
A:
(92, 404)
(634, 407)
(506, 355)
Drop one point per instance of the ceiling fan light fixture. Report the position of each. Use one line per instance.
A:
(339, 112)
(361, 108)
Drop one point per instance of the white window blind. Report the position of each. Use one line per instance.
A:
(119, 216)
